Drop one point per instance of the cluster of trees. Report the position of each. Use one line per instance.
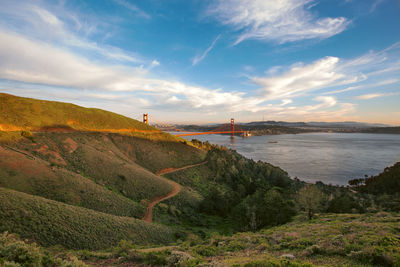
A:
(253, 194)
(384, 188)
(387, 182)
(257, 194)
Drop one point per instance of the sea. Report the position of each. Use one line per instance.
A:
(333, 158)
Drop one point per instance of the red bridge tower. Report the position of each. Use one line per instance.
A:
(146, 118)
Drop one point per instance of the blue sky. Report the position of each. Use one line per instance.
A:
(207, 61)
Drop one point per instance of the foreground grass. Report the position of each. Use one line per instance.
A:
(53, 223)
(16, 252)
(329, 240)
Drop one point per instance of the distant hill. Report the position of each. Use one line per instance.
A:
(345, 124)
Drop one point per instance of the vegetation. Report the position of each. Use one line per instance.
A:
(383, 189)
(327, 240)
(387, 182)
(77, 178)
(15, 252)
(310, 199)
(247, 193)
(28, 113)
(37, 177)
(94, 156)
(158, 155)
(53, 223)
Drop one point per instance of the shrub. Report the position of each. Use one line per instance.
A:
(15, 252)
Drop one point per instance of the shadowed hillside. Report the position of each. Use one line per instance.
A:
(52, 223)
(37, 177)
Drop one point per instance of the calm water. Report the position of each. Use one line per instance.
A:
(329, 157)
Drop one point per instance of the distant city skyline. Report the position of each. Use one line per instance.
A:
(207, 61)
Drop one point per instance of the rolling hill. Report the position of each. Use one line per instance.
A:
(73, 173)
(77, 182)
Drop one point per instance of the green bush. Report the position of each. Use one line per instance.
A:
(15, 252)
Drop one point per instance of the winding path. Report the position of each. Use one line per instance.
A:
(148, 217)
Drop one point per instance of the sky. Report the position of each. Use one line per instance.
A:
(201, 61)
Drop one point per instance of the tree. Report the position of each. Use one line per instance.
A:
(310, 199)
(264, 208)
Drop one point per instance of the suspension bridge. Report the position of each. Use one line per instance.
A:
(228, 128)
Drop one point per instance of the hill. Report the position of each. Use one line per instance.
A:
(387, 182)
(335, 240)
(84, 183)
(28, 113)
(92, 163)
(53, 223)
(31, 115)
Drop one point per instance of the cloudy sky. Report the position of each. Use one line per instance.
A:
(206, 61)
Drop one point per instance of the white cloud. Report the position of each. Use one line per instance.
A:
(35, 62)
(351, 88)
(375, 5)
(37, 22)
(282, 20)
(328, 72)
(198, 58)
(375, 95)
(300, 79)
(133, 8)
(369, 96)
(48, 58)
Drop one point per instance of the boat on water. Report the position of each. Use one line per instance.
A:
(272, 142)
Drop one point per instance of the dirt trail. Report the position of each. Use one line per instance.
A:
(148, 217)
(169, 170)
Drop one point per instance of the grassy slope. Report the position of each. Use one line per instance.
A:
(159, 155)
(82, 164)
(50, 223)
(329, 240)
(28, 112)
(95, 156)
(38, 177)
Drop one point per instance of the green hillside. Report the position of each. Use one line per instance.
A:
(387, 182)
(122, 163)
(52, 223)
(37, 177)
(28, 112)
(93, 164)
(77, 180)
(350, 240)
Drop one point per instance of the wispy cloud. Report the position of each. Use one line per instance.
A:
(375, 95)
(198, 58)
(300, 79)
(132, 8)
(282, 21)
(39, 23)
(375, 5)
(351, 88)
(330, 72)
(78, 78)
(369, 96)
